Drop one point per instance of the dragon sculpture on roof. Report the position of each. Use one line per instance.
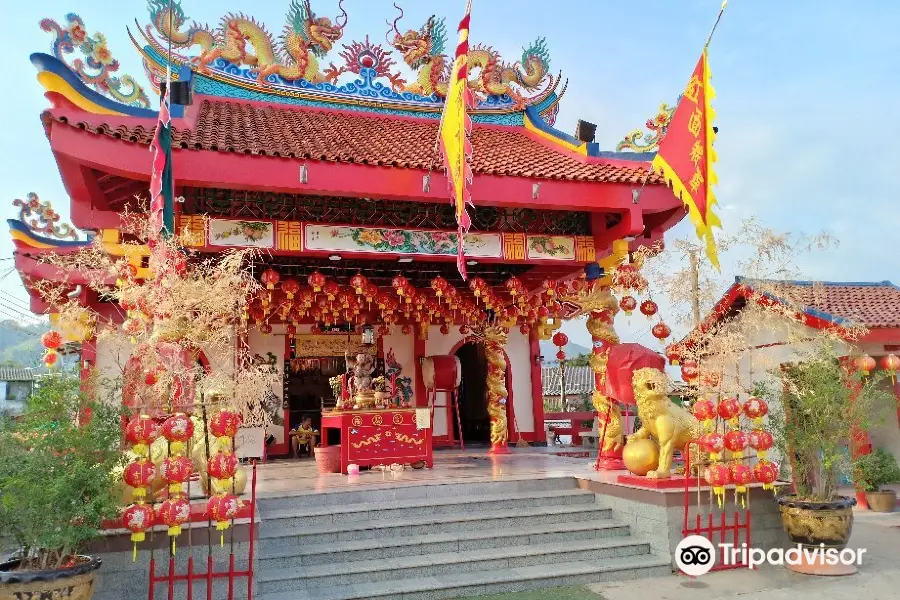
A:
(242, 41)
(423, 51)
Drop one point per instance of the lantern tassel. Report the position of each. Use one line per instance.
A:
(134, 553)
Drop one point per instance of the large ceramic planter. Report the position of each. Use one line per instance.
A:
(881, 501)
(328, 459)
(75, 582)
(815, 523)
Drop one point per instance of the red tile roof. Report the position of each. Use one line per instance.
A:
(875, 304)
(355, 137)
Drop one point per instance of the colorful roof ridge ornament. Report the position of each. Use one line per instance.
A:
(658, 125)
(456, 148)
(40, 218)
(98, 65)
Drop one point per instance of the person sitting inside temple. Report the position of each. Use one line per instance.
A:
(303, 439)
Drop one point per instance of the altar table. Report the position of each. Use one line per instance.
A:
(379, 437)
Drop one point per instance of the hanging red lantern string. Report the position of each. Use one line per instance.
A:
(690, 371)
(628, 304)
(673, 354)
(718, 475)
(400, 284)
(761, 441)
(137, 519)
(729, 409)
(514, 286)
(359, 283)
(766, 473)
(705, 412)
(741, 476)
(176, 470)
(439, 285)
(756, 408)
(177, 429)
(51, 340)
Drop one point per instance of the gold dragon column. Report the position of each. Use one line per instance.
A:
(601, 308)
(494, 344)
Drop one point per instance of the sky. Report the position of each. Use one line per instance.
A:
(806, 94)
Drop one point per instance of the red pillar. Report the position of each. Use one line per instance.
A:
(860, 444)
(537, 388)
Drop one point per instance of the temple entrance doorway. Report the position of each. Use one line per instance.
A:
(476, 424)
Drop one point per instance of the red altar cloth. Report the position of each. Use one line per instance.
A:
(379, 437)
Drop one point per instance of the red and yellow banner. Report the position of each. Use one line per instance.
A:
(686, 155)
(454, 136)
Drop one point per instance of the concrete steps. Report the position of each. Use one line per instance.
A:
(443, 541)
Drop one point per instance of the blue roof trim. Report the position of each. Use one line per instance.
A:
(46, 62)
(813, 312)
(593, 148)
(51, 64)
(22, 227)
(748, 281)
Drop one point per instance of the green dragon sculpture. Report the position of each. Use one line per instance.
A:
(423, 51)
(306, 38)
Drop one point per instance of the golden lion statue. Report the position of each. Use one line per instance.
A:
(661, 419)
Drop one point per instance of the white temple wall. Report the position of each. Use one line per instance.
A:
(262, 344)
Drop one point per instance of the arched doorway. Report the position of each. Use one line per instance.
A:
(473, 414)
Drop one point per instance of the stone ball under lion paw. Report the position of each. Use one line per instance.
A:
(641, 456)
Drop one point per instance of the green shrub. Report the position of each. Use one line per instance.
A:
(876, 469)
(56, 482)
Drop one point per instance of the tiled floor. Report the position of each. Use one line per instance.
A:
(287, 477)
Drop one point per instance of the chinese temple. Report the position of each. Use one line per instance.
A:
(320, 151)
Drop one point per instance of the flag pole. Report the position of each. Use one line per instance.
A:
(636, 194)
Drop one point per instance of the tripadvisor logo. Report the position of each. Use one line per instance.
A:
(695, 555)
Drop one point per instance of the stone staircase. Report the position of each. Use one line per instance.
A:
(443, 541)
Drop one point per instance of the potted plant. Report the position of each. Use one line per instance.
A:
(826, 402)
(56, 489)
(871, 471)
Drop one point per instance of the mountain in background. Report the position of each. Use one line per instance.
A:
(20, 345)
(548, 350)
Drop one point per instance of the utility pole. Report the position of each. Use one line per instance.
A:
(695, 286)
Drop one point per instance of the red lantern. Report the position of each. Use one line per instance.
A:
(139, 474)
(514, 286)
(331, 289)
(464, 330)
(290, 329)
(439, 285)
(756, 408)
(290, 287)
(222, 509)
(50, 358)
(561, 356)
(445, 329)
(224, 425)
(141, 431)
(704, 411)
(371, 292)
(51, 340)
(712, 443)
(718, 475)
(628, 304)
(649, 308)
(866, 364)
(316, 280)
(174, 512)
(265, 329)
(729, 409)
(406, 330)
(736, 441)
(690, 371)
(137, 519)
(661, 331)
(270, 278)
(741, 475)
(478, 286)
(525, 328)
(222, 465)
(549, 286)
(761, 441)
(400, 284)
(178, 429)
(891, 364)
(560, 339)
(673, 354)
(176, 470)
(359, 283)
(766, 473)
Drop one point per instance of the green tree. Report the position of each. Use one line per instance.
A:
(56, 464)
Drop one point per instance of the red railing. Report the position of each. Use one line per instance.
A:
(171, 576)
(714, 524)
